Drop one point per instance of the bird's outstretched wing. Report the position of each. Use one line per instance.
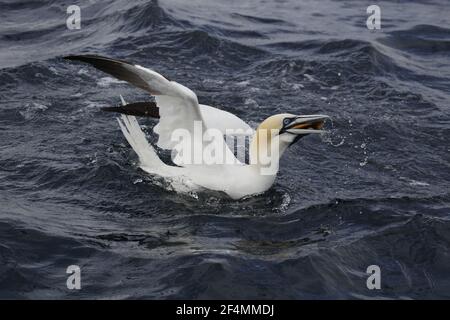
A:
(143, 78)
(178, 105)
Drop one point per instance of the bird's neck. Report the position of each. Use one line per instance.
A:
(265, 151)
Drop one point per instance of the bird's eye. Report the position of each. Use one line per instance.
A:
(286, 121)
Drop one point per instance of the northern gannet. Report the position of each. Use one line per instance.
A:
(202, 159)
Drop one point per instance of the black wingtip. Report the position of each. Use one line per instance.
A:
(94, 59)
(146, 109)
(89, 58)
(119, 69)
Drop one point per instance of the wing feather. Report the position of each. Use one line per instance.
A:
(177, 105)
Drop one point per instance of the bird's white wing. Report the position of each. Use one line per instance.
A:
(226, 122)
(179, 110)
(172, 113)
(178, 105)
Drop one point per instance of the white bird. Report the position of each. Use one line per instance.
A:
(203, 160)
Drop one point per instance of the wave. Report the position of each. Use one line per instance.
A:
(372, 191)
(420, 39)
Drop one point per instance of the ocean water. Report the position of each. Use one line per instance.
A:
(373, 190)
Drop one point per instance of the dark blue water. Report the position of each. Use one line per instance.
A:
(374, 190)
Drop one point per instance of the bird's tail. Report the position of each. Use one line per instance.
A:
(149, 159)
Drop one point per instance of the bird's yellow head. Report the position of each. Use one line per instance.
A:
(275, 134)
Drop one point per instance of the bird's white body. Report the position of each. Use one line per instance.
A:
(236, 180)
(203, 159)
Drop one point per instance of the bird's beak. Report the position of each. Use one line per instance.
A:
(306, 124)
